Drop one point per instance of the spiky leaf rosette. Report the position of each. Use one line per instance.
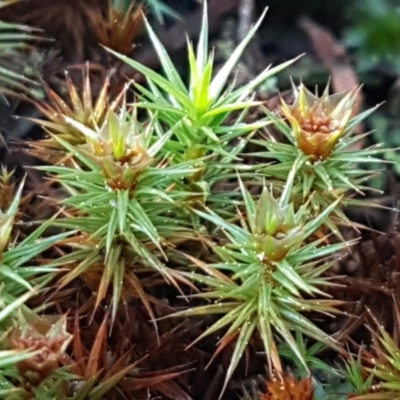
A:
(39, 347)
(81, 107)
(118, 29)
(9, 358)
(48, 336)
(359, 379)
(23, 273)
(122, 198)
(21, 266)
(319, 133)
(382, 363)
(197, 111)
(266, 277)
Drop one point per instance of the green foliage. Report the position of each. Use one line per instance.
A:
(355, 374)
(335, 177)
(13, 39)
(266, 277)
(156, 7)
(22, 275)
(385, 130)
(19, 268)
(375, 35)
(140, 196)
(205, 116)
(309, 355)
(122, 200)
(160, 10)
(198, 112)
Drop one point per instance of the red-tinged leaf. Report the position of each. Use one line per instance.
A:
(136, 284)
(77, 342)
(225, 341)
(244, 337)
(171, 390)
(132, 384)
(98, 350)
(104, 387)
(209, 270)
(119, 365)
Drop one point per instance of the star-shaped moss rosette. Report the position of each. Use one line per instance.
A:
(284, 387)
(318, 122)
(124, 199)
(119, 27)
(9, 358)
(206, 115)
(359, 380)
(38, 347)
(379, 364)
(79, 106)
(319, 133)
(47, 337)
(118, 149)
(266, 277)
(198, 110)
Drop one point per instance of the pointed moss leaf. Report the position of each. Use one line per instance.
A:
(244, 91)
(248, 311)
(73, 150)
(264, 325)
(105, 386)
(112, 226)
(228, 107)
(7, 272)
(313, 225)
(11, 357)
(245, 334)
(287, 191)
(250, 206)
(87, 259)
(122, 208)
(143, 222)
(118, 280)
(292, 276)
(304, 325)
(220, 79)
(286, 283)
(15, 304)
(180, 94)
(166, 62)
(202, 44)
(28, 249)
(280, 325)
